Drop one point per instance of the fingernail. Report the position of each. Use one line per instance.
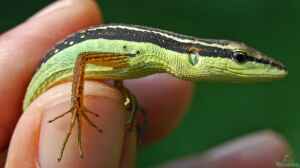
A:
(58, 5)
(102, 149)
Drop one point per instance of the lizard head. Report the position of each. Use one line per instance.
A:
(228, 60)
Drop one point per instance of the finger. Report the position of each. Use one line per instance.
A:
(24, 143)
(165, 100)
(100, 149)
(260, 150)
(22, 48)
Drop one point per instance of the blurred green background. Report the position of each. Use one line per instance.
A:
(219, 112)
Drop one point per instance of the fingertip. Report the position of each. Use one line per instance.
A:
(82, 12)
(56, 21)
(264, 149)
(78, 5)
(39, 33)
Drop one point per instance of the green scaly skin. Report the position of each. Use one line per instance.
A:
(151, 59)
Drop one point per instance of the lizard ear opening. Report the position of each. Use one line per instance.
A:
(194, 58)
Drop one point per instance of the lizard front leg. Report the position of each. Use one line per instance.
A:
(78, 110)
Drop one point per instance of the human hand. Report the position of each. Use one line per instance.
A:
(36, 143)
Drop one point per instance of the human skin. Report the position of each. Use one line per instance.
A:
(33, 142)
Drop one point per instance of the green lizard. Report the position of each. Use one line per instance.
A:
(119, 52)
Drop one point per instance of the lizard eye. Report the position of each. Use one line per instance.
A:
(239, 56)
(193, 58)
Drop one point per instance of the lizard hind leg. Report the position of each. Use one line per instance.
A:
(134, 111)
(130, 103)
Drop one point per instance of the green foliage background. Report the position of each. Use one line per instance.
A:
(219, 112)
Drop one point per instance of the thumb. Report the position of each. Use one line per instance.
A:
(45, 139)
